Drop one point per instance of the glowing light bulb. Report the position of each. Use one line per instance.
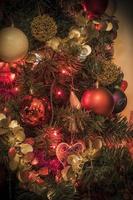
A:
(59, 93)
(34, 103)
(55, 133)
(64, 71)
(1, 64)
(12, 77)
(53, 146)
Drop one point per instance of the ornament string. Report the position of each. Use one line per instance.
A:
(51, 102)
(39, 8)
(73, 134)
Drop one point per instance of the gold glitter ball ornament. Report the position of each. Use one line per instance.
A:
(108, 75)
(43, 28)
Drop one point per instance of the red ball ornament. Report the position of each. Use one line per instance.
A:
(124, 85)
(95, 8)
(60, 94)
(34, 111)
(99, 100)
(53, 137)
(120, 100)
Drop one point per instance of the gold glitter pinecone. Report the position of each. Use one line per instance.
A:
(43, 28)
(108, 75)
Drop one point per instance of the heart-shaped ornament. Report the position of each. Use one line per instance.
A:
(63, 150)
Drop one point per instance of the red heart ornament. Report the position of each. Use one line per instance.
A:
(63, 150)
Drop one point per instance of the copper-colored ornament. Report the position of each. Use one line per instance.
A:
(34, 111)
(99, 100)
(74, 101)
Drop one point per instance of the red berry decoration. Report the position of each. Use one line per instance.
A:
(95, 8)
(120, 100)
(34, 111)
(124, 85)
(99, 100)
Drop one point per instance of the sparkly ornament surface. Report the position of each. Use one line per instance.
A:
(120, 100)
(43, 28)
(108, 74)
(34, 111)
(13, 44)
(99, 100)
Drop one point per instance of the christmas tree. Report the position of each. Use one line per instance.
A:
(62, 135)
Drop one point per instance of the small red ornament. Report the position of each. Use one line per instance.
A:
(53, 137)
(99, 100)
(124, 85)
(120, 100)
(34, 111)
(95, 8)
(60, 94)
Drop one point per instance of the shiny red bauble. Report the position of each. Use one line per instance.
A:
(99, 100)
(120, 100)
(95, 8)
(34, 111)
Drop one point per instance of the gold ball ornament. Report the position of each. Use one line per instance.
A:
(13, 44)
(43, 28)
